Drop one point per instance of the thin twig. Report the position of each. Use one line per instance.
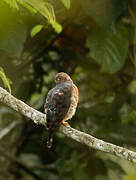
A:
(6, 130)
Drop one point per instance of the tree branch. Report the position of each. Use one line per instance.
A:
(90, 141)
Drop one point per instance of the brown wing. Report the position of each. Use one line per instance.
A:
(57, 104)
(48, 98)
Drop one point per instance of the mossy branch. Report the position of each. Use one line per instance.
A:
(81, 137)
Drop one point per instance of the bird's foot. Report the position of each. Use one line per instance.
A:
(65, 123)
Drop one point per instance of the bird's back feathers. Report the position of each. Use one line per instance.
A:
(57, 105)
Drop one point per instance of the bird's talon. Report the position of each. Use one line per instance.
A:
(65, 123)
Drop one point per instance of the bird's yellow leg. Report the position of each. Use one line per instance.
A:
(65, 123)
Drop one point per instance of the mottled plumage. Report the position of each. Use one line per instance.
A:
(61, 103)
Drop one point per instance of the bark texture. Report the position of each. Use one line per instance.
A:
(81, 137)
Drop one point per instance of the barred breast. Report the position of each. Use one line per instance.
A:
(73, 105)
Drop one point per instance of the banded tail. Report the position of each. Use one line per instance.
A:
(49, 139)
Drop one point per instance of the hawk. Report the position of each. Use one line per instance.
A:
(61, 103)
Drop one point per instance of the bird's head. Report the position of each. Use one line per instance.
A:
(62, 77)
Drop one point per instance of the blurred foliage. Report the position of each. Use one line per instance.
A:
(66, 3)
(6, 81)
(97, 47)
(109, 48)
(42, 7)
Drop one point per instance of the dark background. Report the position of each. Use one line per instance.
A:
(97, 48)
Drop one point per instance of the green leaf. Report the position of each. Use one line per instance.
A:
(36, 29)
(5, 80)
(109, 48)
(46, 10)
(103, 12)
(66, 3)
(57, 27)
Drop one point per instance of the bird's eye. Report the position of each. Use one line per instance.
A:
(58, 79)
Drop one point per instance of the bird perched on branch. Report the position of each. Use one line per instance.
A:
(61, 103)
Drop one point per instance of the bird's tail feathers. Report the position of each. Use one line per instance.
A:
(49, 139)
